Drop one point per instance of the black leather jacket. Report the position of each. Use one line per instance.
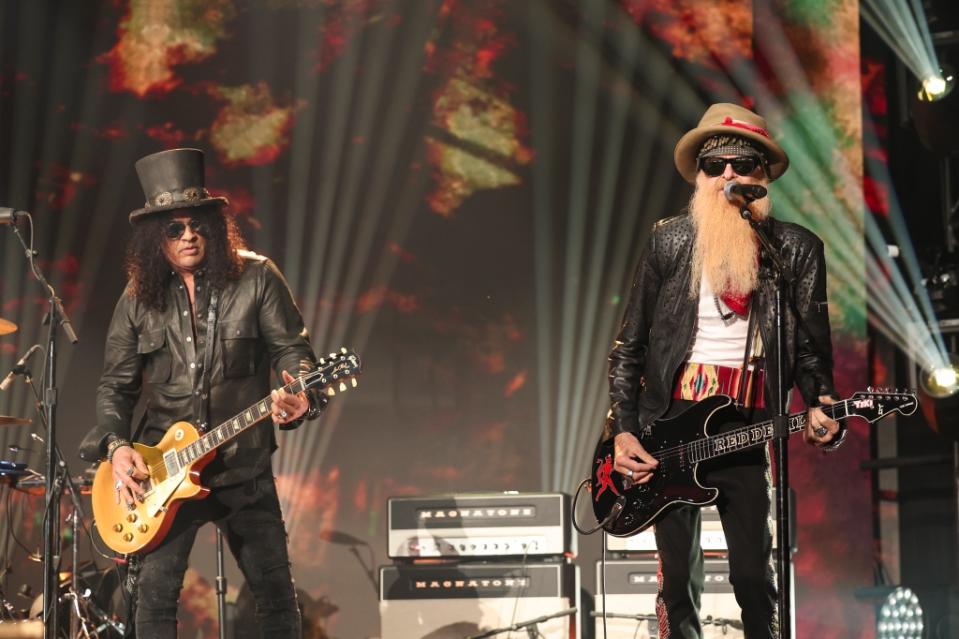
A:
(258, 326)
(660, 318)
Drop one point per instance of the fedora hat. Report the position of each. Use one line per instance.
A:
(172, 180)
(728, 119)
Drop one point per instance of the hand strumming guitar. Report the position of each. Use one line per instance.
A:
(628, 450)
(128, 470)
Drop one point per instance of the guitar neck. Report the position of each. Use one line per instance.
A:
(232, 427)
(755, 434)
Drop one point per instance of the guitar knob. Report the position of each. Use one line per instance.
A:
(132, 517)
(128, 537)
(117, 527)
(143, 528)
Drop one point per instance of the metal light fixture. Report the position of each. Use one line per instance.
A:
(936, 87)
(900, 616)
(942, 380)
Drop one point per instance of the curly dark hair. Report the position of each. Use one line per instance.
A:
(149, 272)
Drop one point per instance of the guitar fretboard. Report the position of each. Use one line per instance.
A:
(754, 434)
(233, 426)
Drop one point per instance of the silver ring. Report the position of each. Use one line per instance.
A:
(821, 431)
(118, 485)
(130, 471)
(283, 414)
(629, 473)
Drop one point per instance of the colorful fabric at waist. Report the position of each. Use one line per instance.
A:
(696, 381)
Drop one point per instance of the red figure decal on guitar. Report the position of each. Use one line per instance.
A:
(604, 476)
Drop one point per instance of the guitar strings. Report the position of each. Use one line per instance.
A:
(676, 453)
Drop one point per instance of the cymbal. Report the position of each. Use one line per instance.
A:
(6, 420)
(6, 326)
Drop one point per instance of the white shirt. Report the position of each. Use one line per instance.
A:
(715, 340)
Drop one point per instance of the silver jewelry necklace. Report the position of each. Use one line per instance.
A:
(723, 316)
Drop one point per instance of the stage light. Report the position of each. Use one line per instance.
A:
(900, 616)
(942, 380)
(936, 87)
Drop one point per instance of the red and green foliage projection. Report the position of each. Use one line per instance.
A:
(423, 173)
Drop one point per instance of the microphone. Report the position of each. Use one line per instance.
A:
(19, 369)
(9, 215)
(737, 192)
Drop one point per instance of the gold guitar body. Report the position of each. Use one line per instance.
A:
(142, 528)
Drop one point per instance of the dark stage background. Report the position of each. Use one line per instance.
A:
(458, 190)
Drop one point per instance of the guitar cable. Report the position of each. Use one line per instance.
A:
(613, 515)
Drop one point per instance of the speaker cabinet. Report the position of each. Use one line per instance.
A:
(459, 600)
(631, 587)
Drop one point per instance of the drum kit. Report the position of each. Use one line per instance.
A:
(89, 593)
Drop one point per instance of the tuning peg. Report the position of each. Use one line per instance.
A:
(330, 391)
(322, 361)
(342, 387)
(353, 382)
(332, 355)
(343, 350)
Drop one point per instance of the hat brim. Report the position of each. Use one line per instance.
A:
(140, 214)
(684, 155)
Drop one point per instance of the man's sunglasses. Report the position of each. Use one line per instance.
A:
(175, 228)
(716, 166)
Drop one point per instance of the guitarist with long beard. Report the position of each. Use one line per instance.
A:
(201, 324)
(700, 322)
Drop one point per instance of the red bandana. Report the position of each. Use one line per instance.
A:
(738, 304)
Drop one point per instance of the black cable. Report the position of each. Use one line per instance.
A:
(610, 518)
(13, 534)
(603, 561)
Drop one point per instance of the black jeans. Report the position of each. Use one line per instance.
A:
(252, 524)
(743, 504)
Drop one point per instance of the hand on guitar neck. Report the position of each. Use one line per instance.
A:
(820, 429)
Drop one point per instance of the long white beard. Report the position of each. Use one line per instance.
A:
(726, 250)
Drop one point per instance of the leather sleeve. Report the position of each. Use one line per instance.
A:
(283, 332)
(627, 359)
(814, 361)
(120, 383)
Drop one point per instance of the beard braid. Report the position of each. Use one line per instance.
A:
(726, 250)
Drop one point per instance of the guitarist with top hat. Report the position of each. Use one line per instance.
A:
(699, 322)
(197, 332)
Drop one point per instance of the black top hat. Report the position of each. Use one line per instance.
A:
(172, 180)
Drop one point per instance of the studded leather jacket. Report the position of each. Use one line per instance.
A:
(660, 319)
(161, 355)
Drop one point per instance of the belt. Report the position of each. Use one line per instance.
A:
(696, 381)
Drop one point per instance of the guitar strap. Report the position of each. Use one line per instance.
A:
(201, 401)
(751, 328)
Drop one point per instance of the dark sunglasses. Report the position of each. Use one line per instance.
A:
(716, 166)
(175, 229)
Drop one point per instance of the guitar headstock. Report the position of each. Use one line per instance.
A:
(875, 403)
(334, 372)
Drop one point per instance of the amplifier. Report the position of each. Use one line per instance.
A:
(631, 588)
(453, 601)
(480, 525)
(712, 539)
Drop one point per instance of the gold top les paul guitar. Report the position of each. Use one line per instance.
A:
(176, 461)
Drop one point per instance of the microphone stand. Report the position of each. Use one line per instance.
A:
(784, 281)
(57, 316)
(531, 626)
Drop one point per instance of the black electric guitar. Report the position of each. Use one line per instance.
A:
(682, 442)
(176, 461)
